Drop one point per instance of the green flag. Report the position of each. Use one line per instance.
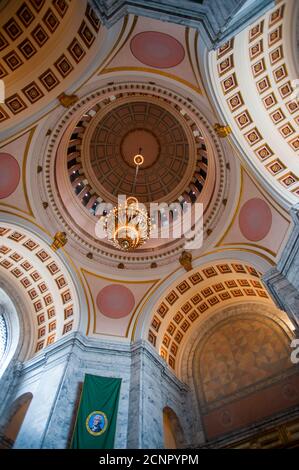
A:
(96, 419)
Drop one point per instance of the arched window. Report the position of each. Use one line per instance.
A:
(17, 415)
(9, 330)
(173, 432)
(3, 336)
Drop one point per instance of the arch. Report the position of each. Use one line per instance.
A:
(98, 51)
(239, 80)
(17, 415)
(241, 339)
(143, 316)
(268, 312)
(52, 297)
(238, 368)
(18, 325)
(192, 298)
(77, 221)
(173, 433)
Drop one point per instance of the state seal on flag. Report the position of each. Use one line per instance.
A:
(96, 423)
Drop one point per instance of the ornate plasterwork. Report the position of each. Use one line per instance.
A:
(96, 150)
(268, 93)
(193, 299)
(264, 311)
(24, 38)
(43, 280)
(255, 334)
(216, 188)
(264, 314)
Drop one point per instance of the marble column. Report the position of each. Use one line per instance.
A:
(283, 280)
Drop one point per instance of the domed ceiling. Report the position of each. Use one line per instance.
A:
(90, 163)
(132, 128)
(144, 92)
(45, 45)
(103, 144)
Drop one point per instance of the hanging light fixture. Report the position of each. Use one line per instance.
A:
(128, 226)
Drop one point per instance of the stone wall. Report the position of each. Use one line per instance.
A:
(217, 20)
(55, 379)
(153, 387)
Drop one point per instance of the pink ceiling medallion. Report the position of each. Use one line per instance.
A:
(255, 219)
(9, 175)
(156, 49)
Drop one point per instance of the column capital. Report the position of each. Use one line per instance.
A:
(217, 20)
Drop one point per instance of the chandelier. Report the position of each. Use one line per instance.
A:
(128, 226)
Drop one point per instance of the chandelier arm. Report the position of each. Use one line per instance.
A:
(135, 179)
(128, 227)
